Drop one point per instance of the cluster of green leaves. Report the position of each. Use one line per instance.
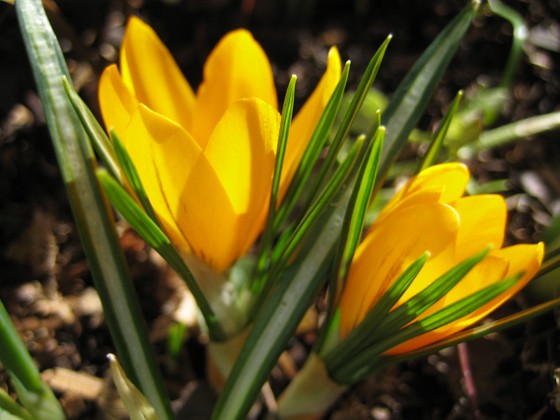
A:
(361, 353)
(38, 400)
(328, 251)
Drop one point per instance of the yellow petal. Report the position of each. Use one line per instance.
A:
(497, 266)
(209, 217)
(488, 271)
(150, 71)
(388, 249)
(429, 195)
(237, 68)
(116, 102)
(483, 223)
(227, 195)
(242, 151)
(448, 180)
(436, 266)
(307, 118)
(453, 177)
(164, 155)
(522, 258)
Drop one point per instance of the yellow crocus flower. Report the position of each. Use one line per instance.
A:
(206, 160)
(430, 213)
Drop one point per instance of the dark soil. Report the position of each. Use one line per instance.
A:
(46, 285)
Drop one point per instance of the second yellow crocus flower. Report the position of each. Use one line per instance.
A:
(430, 214)
(206, 160)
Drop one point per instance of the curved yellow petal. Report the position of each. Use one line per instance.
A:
(447, 180)
(499, 265)
(483, 223)
(429, 195)
(227, 195)
(488, 271)
(388, 249)
(242, 151)
(307, 118)
(237, 68)
(206, 213)
(149, 70)
(453, 177)
(436, 266)
(164, 155)
(522, 258)
(116, 102)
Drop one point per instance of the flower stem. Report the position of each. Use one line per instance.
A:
(310, 393)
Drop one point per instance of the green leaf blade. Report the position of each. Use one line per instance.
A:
(414, 92)
(154, 236)
(277, 321)
(94, 222)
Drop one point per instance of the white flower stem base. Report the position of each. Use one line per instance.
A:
(310, 394)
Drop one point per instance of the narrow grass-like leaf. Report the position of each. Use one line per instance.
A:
(157, 239)
(358, 337)
(36, 396)
(96, 134)
(511, 132)
(459, 309)
(431, 155)
(414, 92)
(482, 330)
(286, 247)
(268, 235)
(146, 223)
(277, 320)
(94, 222)
(281, 256)
(15, 357)
(497, 186)
(423, 300)
(361, 366)
(131, 175)
(131, 211)
(520, 35)
(313, 151)
(11, 410)
(351, 113)
(353, 228)
(137, 406)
